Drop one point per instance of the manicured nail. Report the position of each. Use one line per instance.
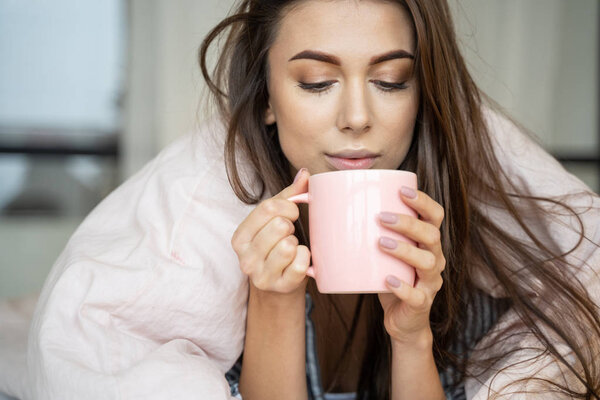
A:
(393, 281)
(387, 242)
(388, 217)
(408, 192)
(298, 174)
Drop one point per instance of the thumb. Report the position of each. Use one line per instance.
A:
(300, 185)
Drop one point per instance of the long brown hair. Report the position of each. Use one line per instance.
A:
(453, 156)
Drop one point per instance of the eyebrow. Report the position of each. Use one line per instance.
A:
(329, 58)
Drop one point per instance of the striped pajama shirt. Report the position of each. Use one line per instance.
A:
(483, 313)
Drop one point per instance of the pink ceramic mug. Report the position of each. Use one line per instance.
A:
(343, 208)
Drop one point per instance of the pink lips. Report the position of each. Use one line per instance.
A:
(350, 163)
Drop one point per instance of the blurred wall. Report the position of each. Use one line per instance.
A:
(538, 59)
(165, 81)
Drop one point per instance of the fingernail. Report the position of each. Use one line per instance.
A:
(298, 174)
(408, 192)
(388, 217)
(387, 242)
(393, 281)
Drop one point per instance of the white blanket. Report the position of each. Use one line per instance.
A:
(147, 300)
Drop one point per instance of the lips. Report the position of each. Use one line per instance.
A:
(352, 159)
(360, 153)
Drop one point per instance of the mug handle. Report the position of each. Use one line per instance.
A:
(303, 198)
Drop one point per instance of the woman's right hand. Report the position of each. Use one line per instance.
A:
(265, 244)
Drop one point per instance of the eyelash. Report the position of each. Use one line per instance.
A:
(322, 87)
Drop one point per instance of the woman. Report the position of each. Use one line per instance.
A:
(148, 300)
(299, 81)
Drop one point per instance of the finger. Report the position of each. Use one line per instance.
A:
(429, 209)
(259, 217)
(424, 261)
(268, 237)
(295, 272)
(416, 298)
(422, 232)
(300, 185)
(282, 254)
(277, 205)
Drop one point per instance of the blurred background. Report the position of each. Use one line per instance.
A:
(92, 90)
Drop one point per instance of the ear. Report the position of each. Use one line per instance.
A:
(269, 115)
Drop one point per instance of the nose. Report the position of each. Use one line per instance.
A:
(354, 115)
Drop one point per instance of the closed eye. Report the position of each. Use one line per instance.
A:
(391, 86)
(322, 87)
(317, 87)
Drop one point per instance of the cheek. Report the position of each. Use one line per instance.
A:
(298, 137)
(398, 119)
(301, 124)
(298, 143)
(297, 108)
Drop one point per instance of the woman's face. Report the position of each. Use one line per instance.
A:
(358, 99)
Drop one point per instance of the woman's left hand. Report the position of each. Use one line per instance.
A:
(406, 309)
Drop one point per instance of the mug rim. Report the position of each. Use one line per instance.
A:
(378, 170)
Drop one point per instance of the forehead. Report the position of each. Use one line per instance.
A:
(345, 27)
